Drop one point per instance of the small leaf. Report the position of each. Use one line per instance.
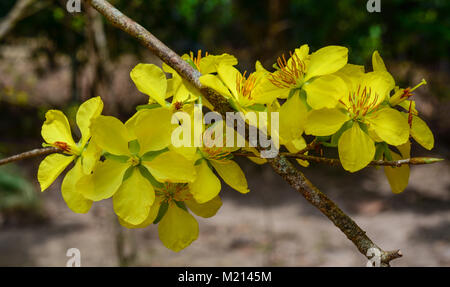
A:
(119, 158)
(151, 155)
(148, 106)
(145, 173)
(134, 146)
(162, 211)
(181, 205)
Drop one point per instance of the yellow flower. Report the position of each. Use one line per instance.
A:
(209, 157)
(310, 73)
(136, 155)
(307, 81)
(56, 132)
(177, 228)
(362, 119)
(419, 130)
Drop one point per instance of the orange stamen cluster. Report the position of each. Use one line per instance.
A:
(287, 76)
(178, 105)
(174, 191)
(196, 60)
(217, 153)
(62, 145)
(244, 86)
(361, 102)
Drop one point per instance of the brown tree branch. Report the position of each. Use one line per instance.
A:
(29, 154)
(280, 164)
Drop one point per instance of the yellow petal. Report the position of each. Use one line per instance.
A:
(232, 174)
(133, 199)
(206, 185)
(292, 118)
(207, 209)
(210, 63)
(51, 167)
(87, 111)
(350, 74)
(153, 213)
(326, 61)
(228, 74)
(405, 149)
(356, 149)
(398, 177)
(216, 84)
(325, 91)
(295, 146)
(56, 128)
(72, 196)
(324, 122)
(301, 53)
(379, 83)
(177, 229)
(90, 157)
(267, 91)
(104, 181)
(153, 129)
(377, 62)
(111, 135)
(422, 133)
(171, 166)
(390, 126)
(150, 80)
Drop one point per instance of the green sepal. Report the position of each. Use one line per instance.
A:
(119, 158)
(161, 212)
(335, 138)
(134, 147)
(151, 155)
(148, 106)
(145, 173)
(258, 108)
(181, 205)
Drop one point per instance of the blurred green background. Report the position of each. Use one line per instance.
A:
(54, 59)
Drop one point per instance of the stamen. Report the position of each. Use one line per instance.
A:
(287, 76)
(62, 145)
(408, 91)
(423, 82)
(196, 60)
(245, 86)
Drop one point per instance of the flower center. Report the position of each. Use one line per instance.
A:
(134, 160)
(174, 191)
(64, 147)
(288, 75)
(216, 153)
(362, 102)
(244, 86)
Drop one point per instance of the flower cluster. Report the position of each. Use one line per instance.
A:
(150, 180)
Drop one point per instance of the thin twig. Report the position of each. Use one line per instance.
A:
(337, 162)
(281, 165)
(29, 154)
